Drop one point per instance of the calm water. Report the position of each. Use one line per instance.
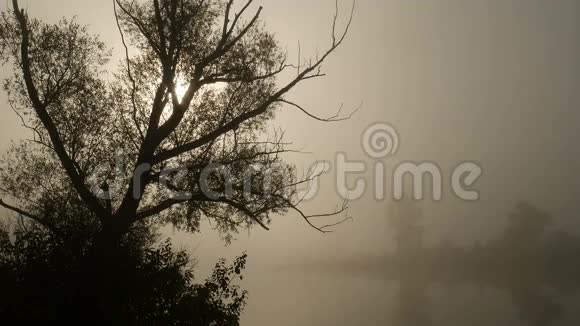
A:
(335, 297)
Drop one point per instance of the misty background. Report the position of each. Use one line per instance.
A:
(495, 82)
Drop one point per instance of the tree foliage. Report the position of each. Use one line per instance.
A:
(45, 278)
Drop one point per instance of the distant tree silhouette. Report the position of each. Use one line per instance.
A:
(404, 219)
(531, 260)
(201, 90)
(527, 224)
(526, 231)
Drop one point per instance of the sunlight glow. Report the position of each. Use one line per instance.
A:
(181, 89)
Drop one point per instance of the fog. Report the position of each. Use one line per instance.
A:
(492, 82)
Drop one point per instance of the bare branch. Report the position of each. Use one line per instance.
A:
(237, 17)
(214, 79)
(140, 26)
(324, 228)
(227, 19)
(224, 46)
(170, 203)
(51, 227)
(160, 208)
(335, 118)
(129, 73)
(244, 210)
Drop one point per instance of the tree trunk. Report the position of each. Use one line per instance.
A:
(110, 261)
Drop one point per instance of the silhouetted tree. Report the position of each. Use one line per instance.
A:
(54, 276)
(526, 230)
(200, 92)
(404, 219)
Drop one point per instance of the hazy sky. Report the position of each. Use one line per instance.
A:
(493, 81)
